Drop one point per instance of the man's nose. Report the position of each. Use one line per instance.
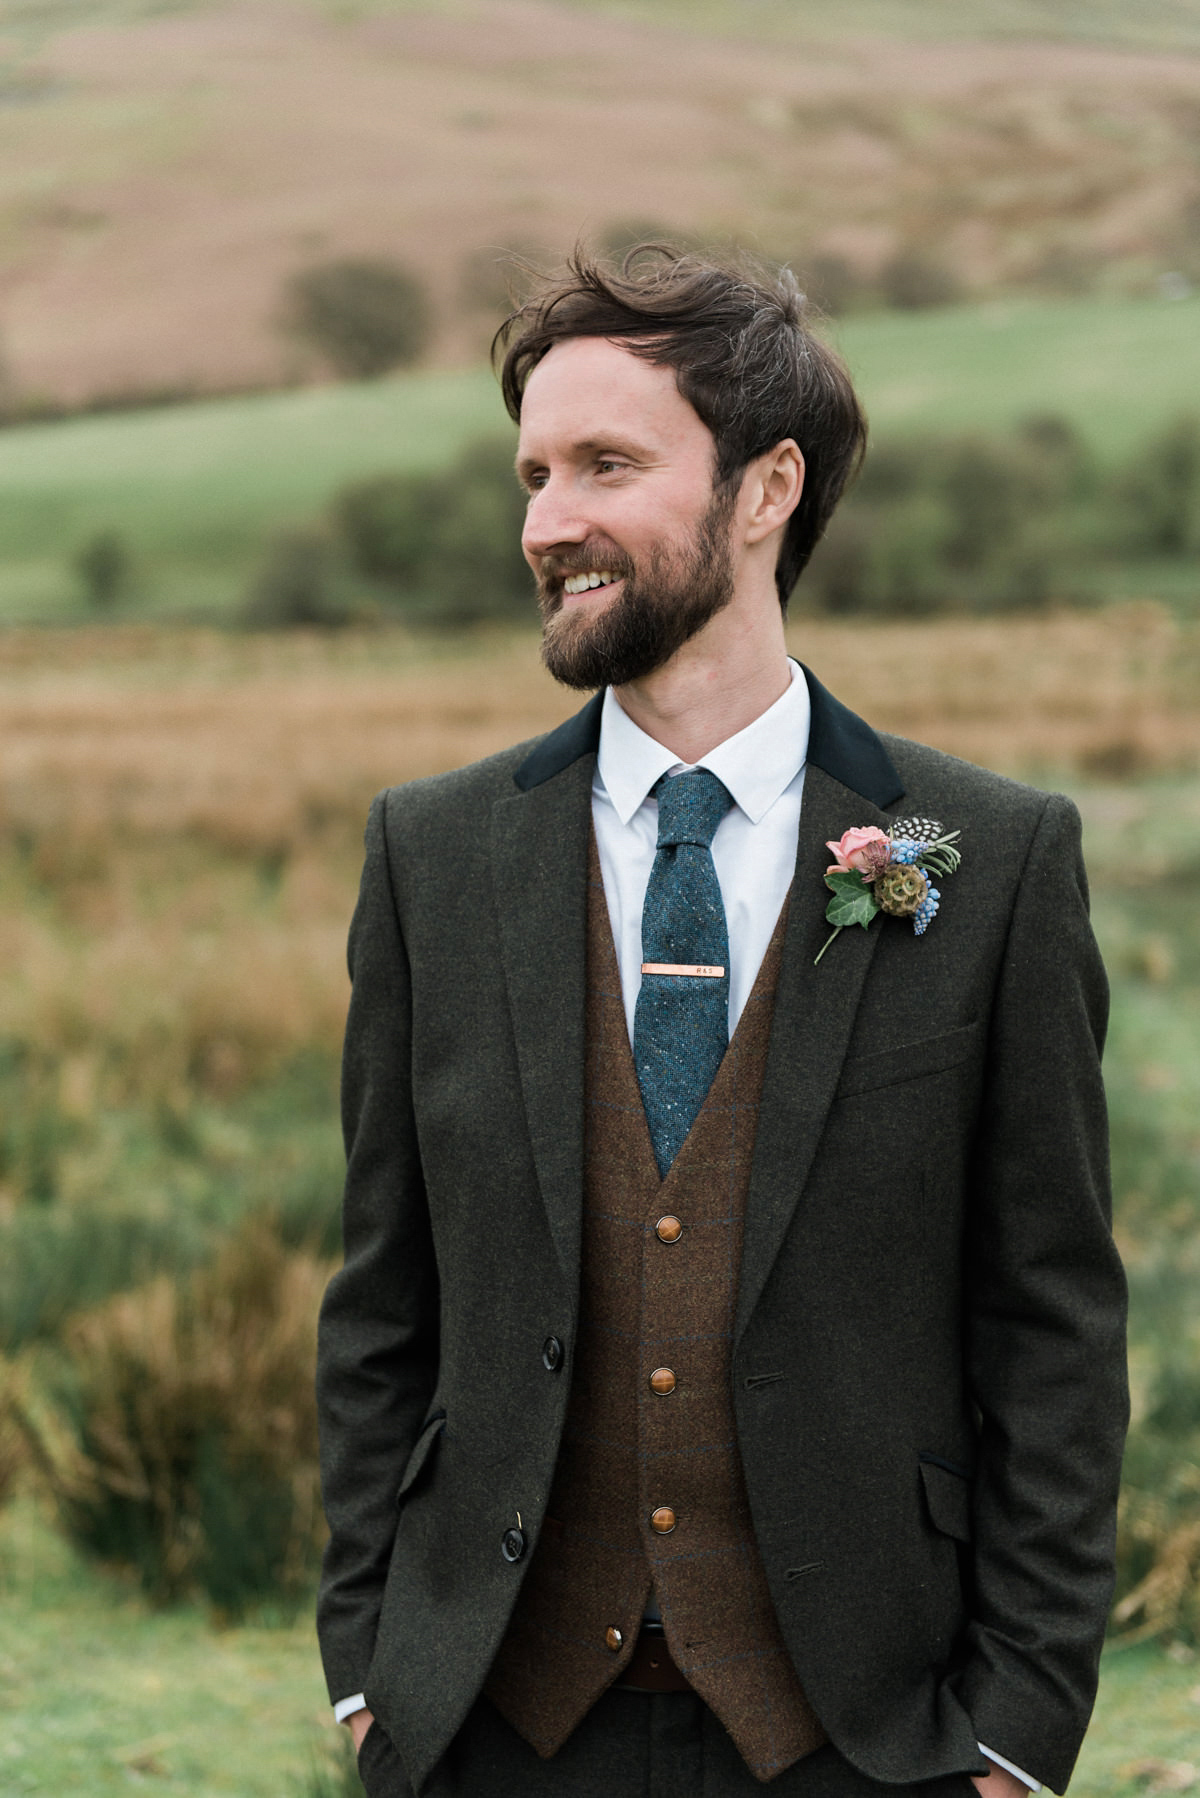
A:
(552, 518)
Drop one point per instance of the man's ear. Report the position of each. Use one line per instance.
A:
(774, 483)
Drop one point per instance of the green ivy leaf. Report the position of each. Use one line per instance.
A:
(853, 901)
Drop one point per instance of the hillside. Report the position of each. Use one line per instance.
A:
(163, 171)
(196, 491)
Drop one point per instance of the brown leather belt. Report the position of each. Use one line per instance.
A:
(650, 1667)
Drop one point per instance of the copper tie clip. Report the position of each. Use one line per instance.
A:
(674, 967)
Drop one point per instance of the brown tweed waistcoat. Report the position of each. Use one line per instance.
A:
(629, 1449)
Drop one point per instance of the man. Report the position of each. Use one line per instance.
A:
(724, 1385)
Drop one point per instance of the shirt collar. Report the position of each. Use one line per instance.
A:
(756, 765)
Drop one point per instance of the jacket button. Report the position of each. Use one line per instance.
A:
(662, 1381)
(552, 1354)
(668, 1229)
(662, 1521)
(613, 1638)
(512, 1544)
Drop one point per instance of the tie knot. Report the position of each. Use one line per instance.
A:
(690, 806)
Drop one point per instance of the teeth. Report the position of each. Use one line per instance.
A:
(580, 583)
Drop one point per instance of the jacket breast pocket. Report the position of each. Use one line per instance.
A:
(908, 1061)
(421, 1450)
(947, 1497)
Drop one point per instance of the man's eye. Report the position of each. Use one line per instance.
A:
(607, 467)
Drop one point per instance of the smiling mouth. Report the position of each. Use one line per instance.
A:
(576, 584)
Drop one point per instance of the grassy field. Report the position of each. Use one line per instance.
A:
(180, 825)
(100, 1694)
(196, 490)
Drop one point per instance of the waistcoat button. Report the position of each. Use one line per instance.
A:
(552, 1354)
(613, 1638)
(662, 1381)
(512, 1544)
(668, 1229)
(662, 1521)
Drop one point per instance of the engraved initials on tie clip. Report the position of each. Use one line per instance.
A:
(675, 967)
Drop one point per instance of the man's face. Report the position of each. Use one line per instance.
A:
(630, 545)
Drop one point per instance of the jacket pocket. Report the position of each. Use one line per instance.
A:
(947, 1497)
(933, 1055)
(421, 1450)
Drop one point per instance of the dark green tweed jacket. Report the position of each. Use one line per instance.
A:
(927, 1268)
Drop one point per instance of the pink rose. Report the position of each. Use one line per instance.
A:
(863, 850)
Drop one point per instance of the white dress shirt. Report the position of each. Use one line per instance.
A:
(753, 851)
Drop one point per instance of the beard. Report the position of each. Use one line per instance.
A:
(655, 614)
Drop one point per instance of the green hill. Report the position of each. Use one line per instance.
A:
(195, 490)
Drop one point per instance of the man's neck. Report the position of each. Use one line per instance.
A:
(716, 685)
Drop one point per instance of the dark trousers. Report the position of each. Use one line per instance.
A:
(630, 1745)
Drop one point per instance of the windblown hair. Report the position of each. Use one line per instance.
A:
(744, 358)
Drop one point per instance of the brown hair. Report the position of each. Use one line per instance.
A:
(744, 358)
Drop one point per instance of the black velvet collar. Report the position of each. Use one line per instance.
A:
(839, 742)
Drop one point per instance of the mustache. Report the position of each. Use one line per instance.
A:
(581, 558)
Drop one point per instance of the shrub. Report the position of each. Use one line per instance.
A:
(1158, 1538)
(1059, 464)
(1160, 492)
(387, 524)
(54, 1260)
(476, 570)
(33, 1130)
(364, 315)
(912, 281)
(178, 1438)
(985, 485)
(446, 545)
(103, 565)
(951, 524)
(12, 1441)
(298, 584)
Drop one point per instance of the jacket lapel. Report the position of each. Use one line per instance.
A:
(815, 1005)
(539, 855)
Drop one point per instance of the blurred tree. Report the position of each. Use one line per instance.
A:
(388, 526)
(447, 544)
(104, 565)
(1160, 492)
(298, 584)
(364, 315)
(913, 280)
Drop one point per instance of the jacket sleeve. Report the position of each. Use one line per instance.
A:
(377, 1350)
(1046, 1328)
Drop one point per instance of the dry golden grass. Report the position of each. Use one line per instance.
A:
(181, 813)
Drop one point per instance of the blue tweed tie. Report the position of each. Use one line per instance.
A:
(681, 1024)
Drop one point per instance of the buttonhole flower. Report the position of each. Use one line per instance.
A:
(889, 871)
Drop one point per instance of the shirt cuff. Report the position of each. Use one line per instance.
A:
(1035, 1785)
(346, 1707)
